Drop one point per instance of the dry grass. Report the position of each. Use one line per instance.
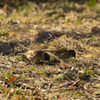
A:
(71, 26)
